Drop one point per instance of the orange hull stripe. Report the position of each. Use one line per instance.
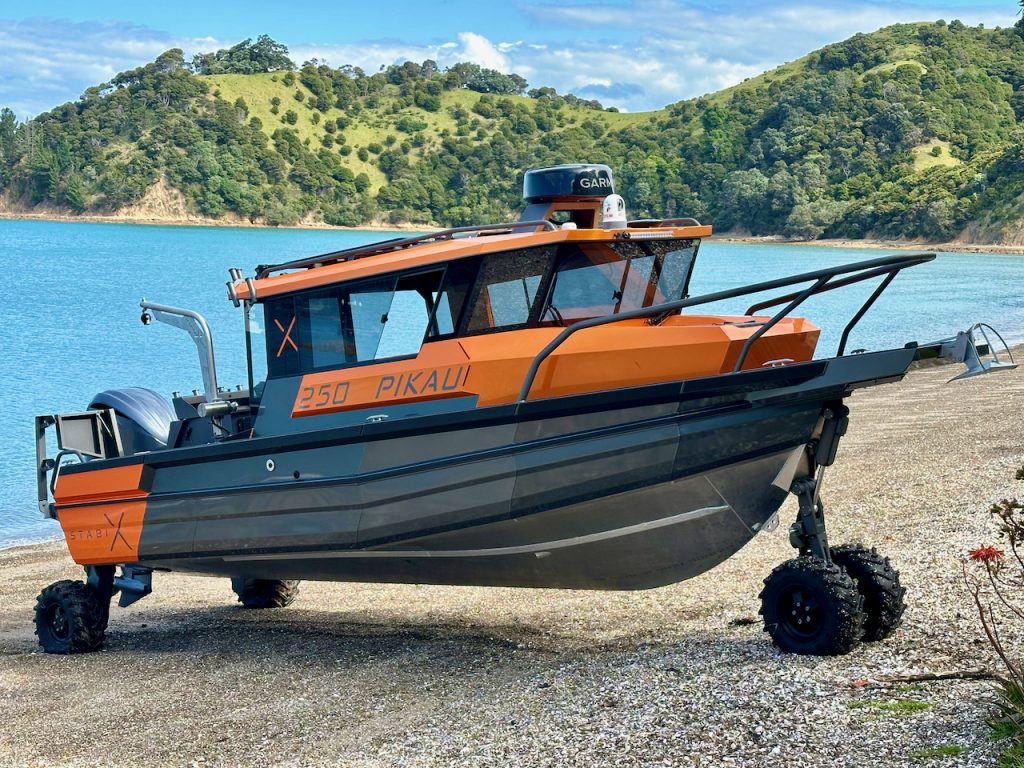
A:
(103, 534)
(100, 485)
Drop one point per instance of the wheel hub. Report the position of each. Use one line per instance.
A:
(57, 619)
(800, 611)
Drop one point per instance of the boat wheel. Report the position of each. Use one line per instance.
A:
(265, 593)
(879, 583)
(812, 607)
(70, 618)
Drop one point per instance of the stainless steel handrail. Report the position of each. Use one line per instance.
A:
(886, 265)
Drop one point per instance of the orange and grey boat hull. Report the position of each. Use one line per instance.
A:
(626, 489)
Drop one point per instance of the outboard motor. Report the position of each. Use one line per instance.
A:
(577, 189)
(143, 417)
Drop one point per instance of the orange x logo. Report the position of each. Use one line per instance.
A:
(287, 336)
(117, 531)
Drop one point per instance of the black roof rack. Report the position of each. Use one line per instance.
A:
(397, 244)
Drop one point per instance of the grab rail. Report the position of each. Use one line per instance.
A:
(396, 244)
(858, 272)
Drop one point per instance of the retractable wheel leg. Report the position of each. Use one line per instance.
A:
(811, 604)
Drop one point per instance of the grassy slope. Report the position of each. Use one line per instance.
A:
(258, 90)
(780, 74)
(924, 159)
(371, 126)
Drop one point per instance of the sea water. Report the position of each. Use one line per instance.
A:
(69, 315)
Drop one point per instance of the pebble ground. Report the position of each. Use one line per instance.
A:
(379, 675)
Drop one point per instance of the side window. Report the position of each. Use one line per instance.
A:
(510, 301)
(598, 279)
(368, 310)
(676, 267)
(327, 349)
(372, 320)
(458, 280)
(507, 288)
(587, 283)
(406, 322)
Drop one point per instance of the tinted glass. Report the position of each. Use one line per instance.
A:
(510, 301)
(341, 326)
(458, 281)
(325, 332)
(406, 324)
(595, 279)
(675, 273)
(507, 288)
(369, 309)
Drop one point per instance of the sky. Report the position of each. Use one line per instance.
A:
(633, 54)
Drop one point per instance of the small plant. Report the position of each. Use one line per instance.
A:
(995, 582)
(940, 750)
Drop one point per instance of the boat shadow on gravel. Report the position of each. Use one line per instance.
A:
(303, 637)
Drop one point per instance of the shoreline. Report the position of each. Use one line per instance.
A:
(888, 245)
(200, 221)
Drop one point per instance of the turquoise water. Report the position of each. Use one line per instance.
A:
(70, 319)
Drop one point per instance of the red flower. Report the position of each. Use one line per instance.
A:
(986, 555)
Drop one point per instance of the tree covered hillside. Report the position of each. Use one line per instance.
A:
(913, 131)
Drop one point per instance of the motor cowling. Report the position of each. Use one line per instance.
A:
(144, 417)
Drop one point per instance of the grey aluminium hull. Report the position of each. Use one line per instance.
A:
(629, 489)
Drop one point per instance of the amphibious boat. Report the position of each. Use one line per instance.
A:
(539, 403)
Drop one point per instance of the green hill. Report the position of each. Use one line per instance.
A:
(910, 132)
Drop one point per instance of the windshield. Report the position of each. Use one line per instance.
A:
(595, 279)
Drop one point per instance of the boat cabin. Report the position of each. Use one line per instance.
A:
(389, 317)
(453, 320)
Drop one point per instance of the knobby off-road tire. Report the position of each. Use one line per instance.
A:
(812, 607)
(265, 593)
(879, 583)
(70, 618)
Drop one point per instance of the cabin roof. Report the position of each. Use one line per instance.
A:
(438, 252)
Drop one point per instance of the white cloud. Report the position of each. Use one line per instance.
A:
(479, 50)
(648, 53)
(635, 55)
(766, 33)
(48, 62)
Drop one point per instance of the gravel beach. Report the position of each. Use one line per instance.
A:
(379, 675)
